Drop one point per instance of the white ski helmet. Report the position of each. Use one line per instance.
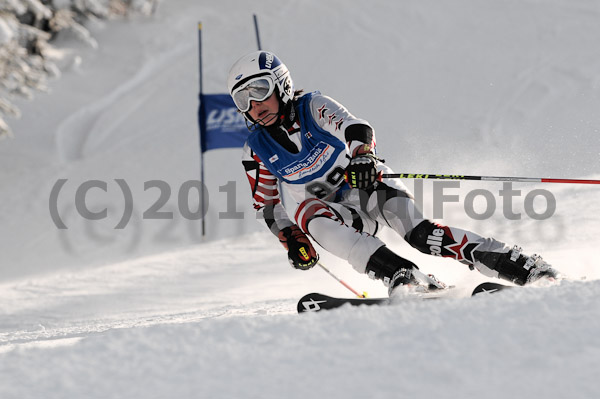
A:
(255, 76)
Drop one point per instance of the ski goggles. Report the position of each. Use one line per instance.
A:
(258, 89)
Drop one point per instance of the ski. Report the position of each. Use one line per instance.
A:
(316, 302)
(489, 288)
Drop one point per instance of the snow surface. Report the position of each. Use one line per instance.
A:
(154, 310)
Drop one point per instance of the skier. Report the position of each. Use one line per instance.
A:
(314, 172)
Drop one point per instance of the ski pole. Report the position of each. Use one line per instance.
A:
(486, 178)
(342, 281)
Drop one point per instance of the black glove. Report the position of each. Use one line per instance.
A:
(361, 173)
(301, 253)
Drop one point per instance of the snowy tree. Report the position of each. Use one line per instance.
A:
(27, 28)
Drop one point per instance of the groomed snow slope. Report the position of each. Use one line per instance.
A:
(156, 311)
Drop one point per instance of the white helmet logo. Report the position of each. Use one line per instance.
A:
(269, 60)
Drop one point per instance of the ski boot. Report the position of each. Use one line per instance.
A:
(521, 269)
(390, 268)
(396, 271)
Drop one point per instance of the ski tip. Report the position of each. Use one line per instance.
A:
(311, 302)
(489, 288)
(316, 302)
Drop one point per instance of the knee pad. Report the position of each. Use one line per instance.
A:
(428, 238)
(438, 240)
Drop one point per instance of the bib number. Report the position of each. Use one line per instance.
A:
(331, 183)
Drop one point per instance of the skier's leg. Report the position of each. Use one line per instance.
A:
(391, 203)
(328, 227)
(347, 233)
(489, 256)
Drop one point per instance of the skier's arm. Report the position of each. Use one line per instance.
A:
(356, 133)
(265, 192)
(301, 253)
(333, 117)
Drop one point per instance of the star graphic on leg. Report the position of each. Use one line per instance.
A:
(464, 249)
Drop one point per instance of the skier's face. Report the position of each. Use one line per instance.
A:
(265, 112)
